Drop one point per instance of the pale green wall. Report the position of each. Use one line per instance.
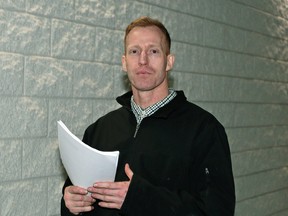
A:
(60, 59)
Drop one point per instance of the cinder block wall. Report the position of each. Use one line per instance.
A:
(60, 59)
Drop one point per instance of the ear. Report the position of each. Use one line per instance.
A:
(124, 66)
(170, 62)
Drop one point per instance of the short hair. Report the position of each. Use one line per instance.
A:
(145, 22)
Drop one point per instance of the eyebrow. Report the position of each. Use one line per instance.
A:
(149, 46)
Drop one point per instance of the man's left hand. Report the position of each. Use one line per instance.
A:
(111, 194)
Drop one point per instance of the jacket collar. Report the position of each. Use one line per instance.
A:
(163, 112)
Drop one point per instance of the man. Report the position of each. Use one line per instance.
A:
(174, 156)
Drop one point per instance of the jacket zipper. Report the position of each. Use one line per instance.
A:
(207, 175)
(136, 130)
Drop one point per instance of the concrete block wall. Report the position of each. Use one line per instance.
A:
(62, 60)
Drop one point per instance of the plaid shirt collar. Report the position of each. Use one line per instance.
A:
(140, 113)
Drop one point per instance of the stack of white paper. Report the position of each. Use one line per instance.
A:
(85, 165)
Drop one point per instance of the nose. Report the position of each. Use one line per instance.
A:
(143, 58)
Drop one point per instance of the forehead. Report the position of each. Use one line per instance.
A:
(142, 35)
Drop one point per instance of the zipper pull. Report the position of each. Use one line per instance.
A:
(207, 175)
(206, 171)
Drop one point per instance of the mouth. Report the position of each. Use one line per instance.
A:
(143, 71)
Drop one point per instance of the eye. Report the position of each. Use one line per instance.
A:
(154, 51)
(133, 51)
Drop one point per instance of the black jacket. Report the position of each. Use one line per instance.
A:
(180, 158)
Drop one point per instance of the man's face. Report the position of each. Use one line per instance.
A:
(145, 60)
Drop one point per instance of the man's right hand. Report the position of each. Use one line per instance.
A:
(77, 200)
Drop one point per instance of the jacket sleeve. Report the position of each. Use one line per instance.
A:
(214, 194)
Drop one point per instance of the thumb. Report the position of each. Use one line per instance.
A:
(128, 171)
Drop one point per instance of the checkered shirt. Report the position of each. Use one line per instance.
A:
(140, 113)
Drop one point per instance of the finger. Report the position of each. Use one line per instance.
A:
(81, 205)
(128, 171)
(110, 205)
(108, 185)
(109, 198)
(74, 194)
(108, 201)
(82, 198)
(76, 190)
(104, 193)
(77, 210)
(78, 204)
